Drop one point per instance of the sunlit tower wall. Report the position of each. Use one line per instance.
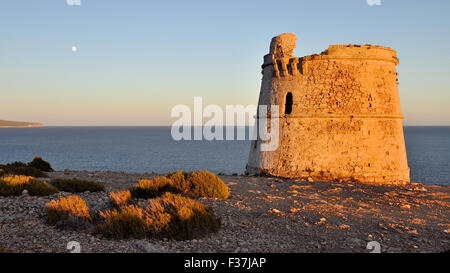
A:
(340, 116)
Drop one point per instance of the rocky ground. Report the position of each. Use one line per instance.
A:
(262, 215)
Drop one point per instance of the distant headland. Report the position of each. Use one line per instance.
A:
(7, 124)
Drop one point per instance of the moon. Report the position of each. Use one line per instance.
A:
(74, 48)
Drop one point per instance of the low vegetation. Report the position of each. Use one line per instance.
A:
(76, 185)
(128, 221)
(151, 188)
(2, 249)
(199, 184)
(171, 215)
(120, 198)
(35, 168)
(20, 168)
(189, 218)
(40, 188)
(165, 213)
(14, 185)
(206, 184)
(40, 164)
(68, 209)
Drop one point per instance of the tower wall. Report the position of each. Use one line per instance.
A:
(346, 121)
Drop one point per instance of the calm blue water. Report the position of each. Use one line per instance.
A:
(147, 149)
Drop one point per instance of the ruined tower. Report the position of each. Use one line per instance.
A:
(340, 116)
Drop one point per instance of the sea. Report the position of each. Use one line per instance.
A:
(152, 149)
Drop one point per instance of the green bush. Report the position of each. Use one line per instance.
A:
(180, 181)
(30, 171)
(12, 166)
(40, 164)
(40, 188)
(21, 168)
(129, 221)
(76, 185)
(200, 184)
(8, 190)
(35, 168)
(171, 215)
(14, 185)
(151, 188)
(189, 217)
(206, 184)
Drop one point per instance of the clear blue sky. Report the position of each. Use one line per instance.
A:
(137, 59)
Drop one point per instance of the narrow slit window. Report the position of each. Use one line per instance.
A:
(289, 102)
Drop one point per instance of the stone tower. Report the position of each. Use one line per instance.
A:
(340, 116)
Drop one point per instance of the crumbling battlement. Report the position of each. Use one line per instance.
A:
(293, 66)
(340, 115)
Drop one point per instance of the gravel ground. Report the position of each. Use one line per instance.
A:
(263, 214)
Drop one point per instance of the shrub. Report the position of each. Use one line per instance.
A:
(200, 184)
(189, 217)
(175, 216)
(21, 168)
(16, 180)
(35, 168)
(9, 190)
(2, 249)
(40, 188)
(120, 198)
(128, 222)
(206, 184)
(12, 166)
(158, 218)
(76, 185)
(151, 188)
(14, 185)
(67, 208)
(30, 171)
(180, 180)
(40, 164)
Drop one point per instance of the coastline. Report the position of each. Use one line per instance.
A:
(19, 124)
(263, 214)
(28, 126)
